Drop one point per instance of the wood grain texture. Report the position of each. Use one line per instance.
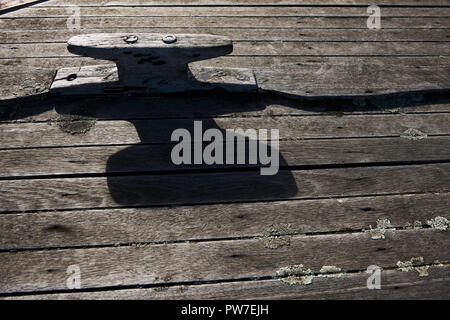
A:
(128, 220)
(318, 79)
(84, 228)
(211, 11)
(395, 285)
(294, 80)
(8, 4)
(205, 261)
(210, 105)
(242, 34)
(244, 2)
(24, 76)
(159, 131)
(146, 190)
(54, 63)
(263, 49)
(249, 22)
(237, 61)
(156, 158)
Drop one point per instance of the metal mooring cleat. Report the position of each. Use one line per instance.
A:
(150, 63)
(158, 63)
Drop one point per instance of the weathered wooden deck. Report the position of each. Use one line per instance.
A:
(88, 181)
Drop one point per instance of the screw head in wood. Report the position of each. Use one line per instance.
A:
(71, 77)
(169, 38)
(130, 39)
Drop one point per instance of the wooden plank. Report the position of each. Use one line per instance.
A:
(54, 63)
(24, 76)
(192, 188)
(192, 223)
(10, 4)
(263, 49)
(207, 105)
(243, 34)
(91, 132)
(155, 158)
(297, 81)
(14, 84)
(64, 3)
(249, 22)
(395, 285)
(207, 11)
(331, 48)
(205, 261)
(318, 79)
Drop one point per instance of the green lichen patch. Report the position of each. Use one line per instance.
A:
(439, 223)
(298, 280)
(437, 263)
(423, 271)
(294, 270)
(407, 266)
(379, 232)
(413, 134)
(296, 275)
(277, 235)
(330, 272)
(300, 275)
(330, 269)
(416, 225)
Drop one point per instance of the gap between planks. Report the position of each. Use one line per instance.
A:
(239, 259)
(73, 162)
(227, 21)
(269, 48)
(54, 63)
(243, 34)
(235, 3)
(104, 132)
(140, 226)
(349, 286)
(208, 105)
(210, 188)
(50, 12)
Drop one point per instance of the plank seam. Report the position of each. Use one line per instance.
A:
(202, 282)
(225, 170)
(294, 5)
(34, 211)
(208, 240)
(252, 56)
(372, 113)
(161, 143)
(218, 16)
